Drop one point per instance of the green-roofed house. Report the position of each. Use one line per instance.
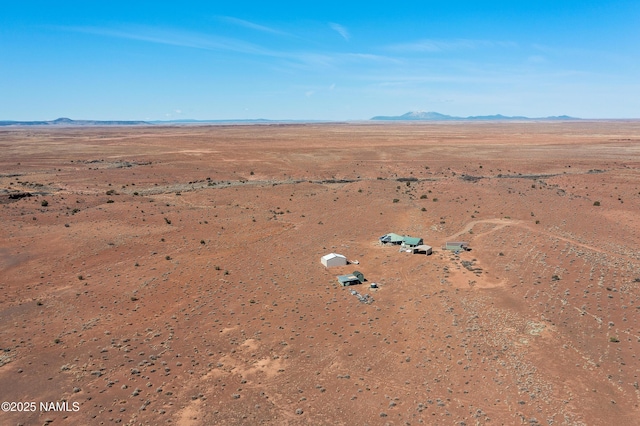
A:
(412, 241)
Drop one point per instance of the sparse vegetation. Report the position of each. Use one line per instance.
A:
(444, 332)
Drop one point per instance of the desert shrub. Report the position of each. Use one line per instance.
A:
(109, 201)
(202, 242)
(614, 339)
(423, 197)
(111, 192)
(435, 199)
(395, 200)
(44, 203)
(166, 219)
(596, 203)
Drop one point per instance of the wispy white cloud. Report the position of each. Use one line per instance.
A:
(253, 26)
(429, 45)
(173, 37)
(369, 57)
(340, 30)
(196, 40)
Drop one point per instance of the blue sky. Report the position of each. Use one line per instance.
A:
(328, 61)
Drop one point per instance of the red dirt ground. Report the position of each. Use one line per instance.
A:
(174, 276)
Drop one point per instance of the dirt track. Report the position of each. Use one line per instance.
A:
(173, 274)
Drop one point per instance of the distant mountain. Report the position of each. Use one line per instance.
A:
(436, 116)
(70, 122)
(193, 121)
(236, 121)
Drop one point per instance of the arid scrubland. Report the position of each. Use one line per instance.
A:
(171, 275)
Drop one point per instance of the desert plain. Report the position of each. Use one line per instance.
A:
(171, 274)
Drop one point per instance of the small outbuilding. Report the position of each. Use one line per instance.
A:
(391, 238)
(333, 259)
(422, 249)
(360, 276)
(456, 245)
(347, 280)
